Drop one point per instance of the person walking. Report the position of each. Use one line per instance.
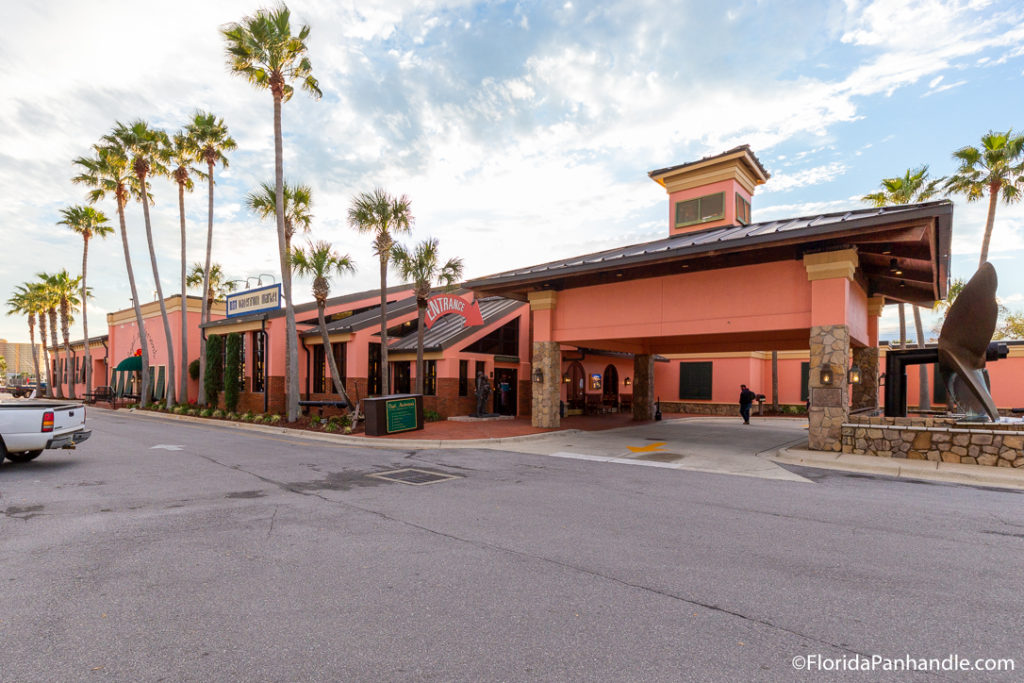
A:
(746, 398)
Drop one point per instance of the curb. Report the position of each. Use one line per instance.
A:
(348, 439)
(952, 473)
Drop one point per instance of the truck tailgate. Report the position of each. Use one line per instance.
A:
(68, 416)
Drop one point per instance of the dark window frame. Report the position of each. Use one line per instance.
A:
(430, 378)
(463, 378)
(700, 217)
(742, 210)
(693, 384)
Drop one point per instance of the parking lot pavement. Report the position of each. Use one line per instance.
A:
(700, 444)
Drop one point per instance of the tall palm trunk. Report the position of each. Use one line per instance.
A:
(993, 199)
(421, 314)
(52, 313)
(183, 390)
(339, 386)
(85, 318)
(65, 331)
(35, 355)
(385, 371)
(46, 356)
(144, 380)
(159, 296)
(924, 399)
(291, 336)
(205, 315)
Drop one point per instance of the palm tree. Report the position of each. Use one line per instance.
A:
(379, 213)
(211, 140)
(25, 302)
(148, 148)
(217, 286)
(109, 172)
(183, 154)
(997, 168)
(49, 302)
(297, 201)
(89, 223)
(320, 261)
(263, 49)
(914, 186)
(65, 289)
(422, 267)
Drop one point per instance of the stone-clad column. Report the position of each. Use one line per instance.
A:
(546, 394)
(865, 394)
(643, 387)
(547, 359)
(830, 405)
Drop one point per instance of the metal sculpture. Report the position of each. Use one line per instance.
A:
(964, 342)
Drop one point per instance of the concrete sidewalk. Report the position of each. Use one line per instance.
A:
(926, 470)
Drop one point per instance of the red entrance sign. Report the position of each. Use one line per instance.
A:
(444, 304)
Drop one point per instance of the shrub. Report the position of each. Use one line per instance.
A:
(431, 416)
(178, 410)
(232, 416)
(247, 417)
(214, 380)
(193, 369)
(348, 429)
(206, 412)
(218, 413)
(257, 419)
(193, 412)
(332, 426)
(273, 419)
(314, 420)
(233, 371)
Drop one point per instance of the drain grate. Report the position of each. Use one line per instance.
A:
(414, 477)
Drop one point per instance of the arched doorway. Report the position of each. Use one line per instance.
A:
(611, 386)
(575, 392)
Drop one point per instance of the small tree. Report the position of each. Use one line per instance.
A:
(214, 380)
(232, 371)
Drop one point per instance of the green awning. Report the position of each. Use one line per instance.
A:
(130, 363)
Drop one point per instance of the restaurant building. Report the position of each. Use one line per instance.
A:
(682, 320)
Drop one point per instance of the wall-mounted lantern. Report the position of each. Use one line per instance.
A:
(826, 376)
(566, 378)
(853, 376)
(627, 382)
(538, 376)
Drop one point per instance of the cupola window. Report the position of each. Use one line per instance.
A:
(700, 210)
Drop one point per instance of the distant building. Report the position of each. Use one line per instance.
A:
(19, 357)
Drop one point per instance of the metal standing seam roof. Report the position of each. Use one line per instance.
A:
(452, 328)
(364, 319)
(719, 239)
(739, 148)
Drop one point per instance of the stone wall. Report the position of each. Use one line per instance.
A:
(830, 405)
(937, 439)
(728, 409)
(546, 396)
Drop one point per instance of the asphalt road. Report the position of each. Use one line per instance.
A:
(261, 557)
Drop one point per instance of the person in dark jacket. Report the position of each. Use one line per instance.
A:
(746, 398)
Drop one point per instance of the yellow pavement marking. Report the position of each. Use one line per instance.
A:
(650, 448)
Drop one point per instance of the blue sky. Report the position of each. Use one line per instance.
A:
(522, 132)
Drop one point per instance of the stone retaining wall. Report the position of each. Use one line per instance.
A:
(936, 439)
(728, 409)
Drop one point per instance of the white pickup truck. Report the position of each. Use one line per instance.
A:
(29, 427)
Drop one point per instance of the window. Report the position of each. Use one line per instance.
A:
(259, 360)
(742, 210)
(695, 381)
(700, 210)
(430, 378)
(463, 378)
(319, 369)
(805, 375)
(402, 376)
(373, 371)
(338, 349)
(503, 341)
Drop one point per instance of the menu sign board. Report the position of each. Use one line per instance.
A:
(401, 415)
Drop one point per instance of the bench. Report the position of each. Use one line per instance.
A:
(101, 394)
(325, 404)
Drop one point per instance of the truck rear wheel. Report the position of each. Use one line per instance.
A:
(24, 456)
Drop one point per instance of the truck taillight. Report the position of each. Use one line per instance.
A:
(48, 421)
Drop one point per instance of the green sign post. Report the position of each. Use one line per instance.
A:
(401, 415)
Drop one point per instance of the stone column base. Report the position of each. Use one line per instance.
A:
(546, 395)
